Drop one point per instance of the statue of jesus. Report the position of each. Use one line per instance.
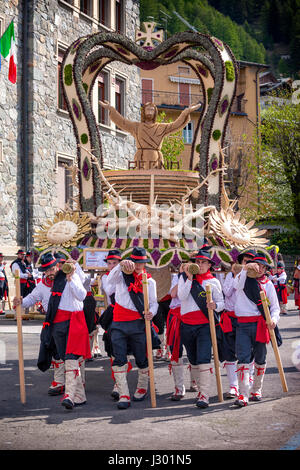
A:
(148, 133)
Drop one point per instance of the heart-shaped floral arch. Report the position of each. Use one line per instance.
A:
(210, 58)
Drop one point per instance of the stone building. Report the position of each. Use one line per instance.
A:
(36, 133)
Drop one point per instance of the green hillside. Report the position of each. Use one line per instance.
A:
(256, 30)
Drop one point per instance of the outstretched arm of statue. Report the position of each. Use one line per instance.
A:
(118, 119)
(182, 119)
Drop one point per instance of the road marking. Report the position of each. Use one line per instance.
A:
(293, 443)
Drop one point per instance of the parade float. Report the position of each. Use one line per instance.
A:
(168, 212)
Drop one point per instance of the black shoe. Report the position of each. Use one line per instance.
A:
(115, 395)
(56, 391)
(67, 403)
(123, 405)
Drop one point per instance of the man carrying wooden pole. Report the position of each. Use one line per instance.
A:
(128, 325)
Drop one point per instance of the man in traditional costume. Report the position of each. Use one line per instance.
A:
(279, 281)
(228, 323)
(3, 284)
(19, 264)
(30, 285)
(65, 328)
(128, 325)
(113, 259)
(252, 333)
(195, 330)
(42, 293)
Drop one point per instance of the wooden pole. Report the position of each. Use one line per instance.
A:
(274, 341)
(20, 338)
(214, 343)
(149, 341)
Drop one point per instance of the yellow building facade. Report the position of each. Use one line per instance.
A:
(175, 86)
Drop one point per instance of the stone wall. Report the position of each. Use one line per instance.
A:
(50, 131)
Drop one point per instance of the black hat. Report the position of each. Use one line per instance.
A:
(138, 255)
(1, 254)
(20, 252)
(60, 257)
(205, 255)
(28, 253)
(47, 262)
(113, 254)
(260, 258)
(280, 264)
(250, 253)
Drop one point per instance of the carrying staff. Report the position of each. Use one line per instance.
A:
(128, 325)
(42, 293)
(113, 259)
(195, 329)
(228, 323)
(252, 333)
(65, 327)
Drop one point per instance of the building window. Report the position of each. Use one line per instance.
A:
(183, 70)
(120, 95)
(86, 7)
(64, 185)
(184, 94)
(61, 102)
(147, 90)
(119, 16)
(103, 95)
(103, 8)
(187, 133)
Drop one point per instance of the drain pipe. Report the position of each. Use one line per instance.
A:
(24, 121)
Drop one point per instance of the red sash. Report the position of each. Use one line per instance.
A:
(225, 322)
(194, 318)
(124, 314)
(262, 332)
(78, 338)
(173, 332)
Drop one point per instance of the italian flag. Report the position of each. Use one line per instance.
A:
(8, 47)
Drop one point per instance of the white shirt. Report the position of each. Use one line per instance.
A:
(73, 295)
(244, 307)
(15, 266)
(116, 284)
(105, 288)
(281, 279)
(175, 302)
(229, 292)
(84, 277)
(40, 293)
(2, 271)
(187, 302)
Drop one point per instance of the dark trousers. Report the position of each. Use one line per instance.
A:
(60, 333)
(197, 342)
(228, 343)
(247, 347)
(160, 318)
(129, 334)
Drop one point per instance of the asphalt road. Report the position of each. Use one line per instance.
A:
(43, 424)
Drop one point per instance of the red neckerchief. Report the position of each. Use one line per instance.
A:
(137, 286)
(262, 279)
(48, 282)
(202, 277)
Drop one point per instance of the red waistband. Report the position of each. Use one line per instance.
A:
(124, 314)
(250, 319)
(194, 318)
(175, 311)
(89, 294)
(23, 281)
(230, 313)
(62, 315)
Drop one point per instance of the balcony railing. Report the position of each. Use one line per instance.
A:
(167, 98)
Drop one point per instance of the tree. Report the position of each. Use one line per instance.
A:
(279, 159)
(173, 144)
